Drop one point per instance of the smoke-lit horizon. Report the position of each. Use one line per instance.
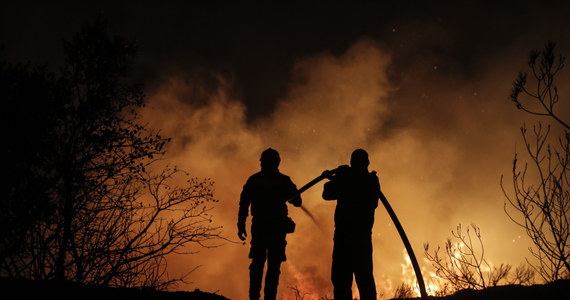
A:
(440, 165)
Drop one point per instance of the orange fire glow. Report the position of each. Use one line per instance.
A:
(439, 167)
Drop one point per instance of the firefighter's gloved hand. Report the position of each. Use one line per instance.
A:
(328, 174)
(242, 234)
(296, 201)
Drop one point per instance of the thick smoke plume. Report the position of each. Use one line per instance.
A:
(439, 145)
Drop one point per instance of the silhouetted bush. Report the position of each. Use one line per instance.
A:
(82, 202)
(464, 266)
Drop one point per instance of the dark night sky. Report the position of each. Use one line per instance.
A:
(256, 44)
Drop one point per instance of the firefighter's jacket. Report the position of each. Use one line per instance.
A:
(267, 193)
(357, 196)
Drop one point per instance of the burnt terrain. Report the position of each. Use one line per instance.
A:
(559, 289)
(17, 289)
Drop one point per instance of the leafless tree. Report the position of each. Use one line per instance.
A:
(539, 200)
(463, 263)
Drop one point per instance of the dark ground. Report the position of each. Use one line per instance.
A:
(12, 289)
(22, 289)
(556, 290)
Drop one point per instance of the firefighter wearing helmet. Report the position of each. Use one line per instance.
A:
(356, 191)
(265, 194)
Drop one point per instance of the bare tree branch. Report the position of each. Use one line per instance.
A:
(540, 199)
(464, 266)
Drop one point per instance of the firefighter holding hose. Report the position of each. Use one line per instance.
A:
(356, 191)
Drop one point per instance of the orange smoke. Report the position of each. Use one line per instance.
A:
(439, 166)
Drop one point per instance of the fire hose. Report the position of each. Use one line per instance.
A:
(394, 218)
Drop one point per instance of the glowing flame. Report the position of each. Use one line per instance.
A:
(432, 282)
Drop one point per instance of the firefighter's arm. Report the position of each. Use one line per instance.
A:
(330, 190)
(297, 201)
(244, 202)
(376, 188)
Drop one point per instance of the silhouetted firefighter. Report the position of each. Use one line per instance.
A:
(357, 191)
(267, 192)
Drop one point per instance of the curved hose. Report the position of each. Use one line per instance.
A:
(395, 220)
